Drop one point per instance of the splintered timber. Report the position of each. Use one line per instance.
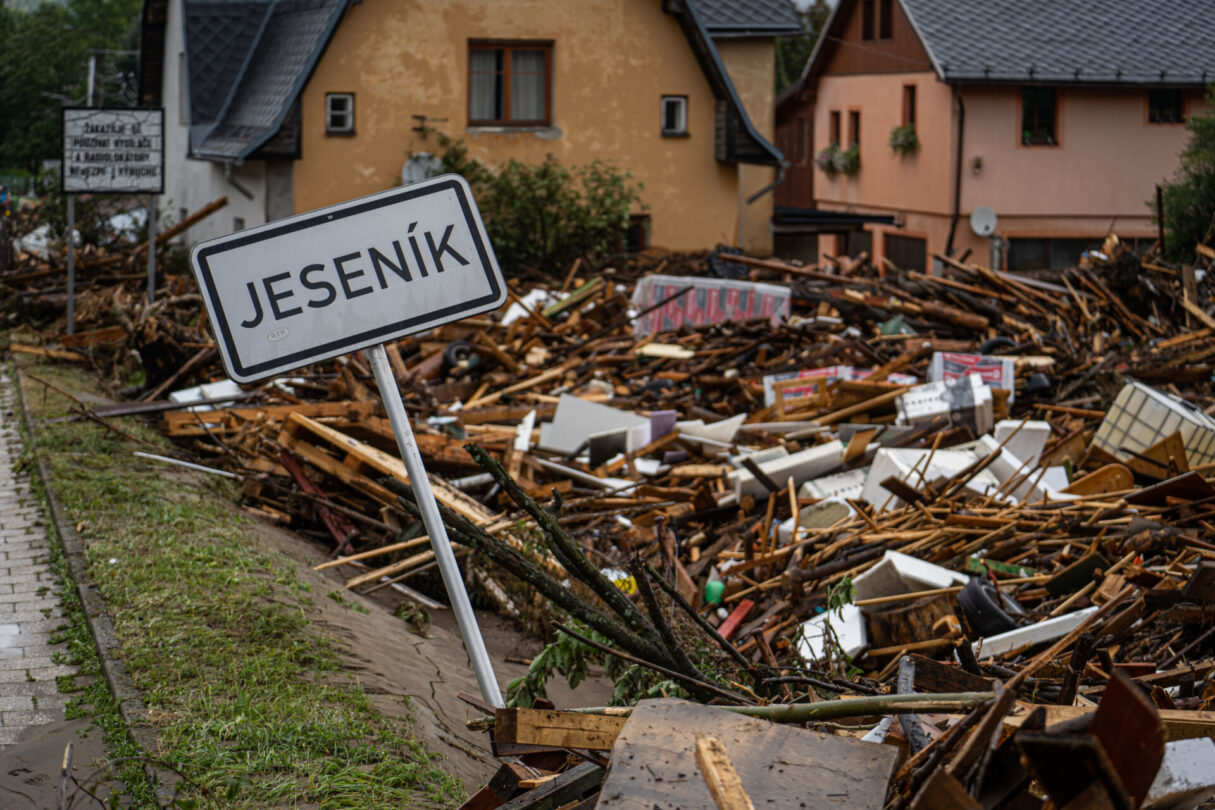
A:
(350, 271)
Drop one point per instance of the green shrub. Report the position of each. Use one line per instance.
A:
(544, 216)
(1189, 200)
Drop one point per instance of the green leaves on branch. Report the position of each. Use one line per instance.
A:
(903, 140)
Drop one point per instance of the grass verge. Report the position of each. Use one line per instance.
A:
(249, 702)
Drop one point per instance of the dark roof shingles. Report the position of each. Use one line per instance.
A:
(1070, 41)
(749, 16)
(282, 57)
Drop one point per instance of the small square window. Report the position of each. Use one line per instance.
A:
(339, 113)
(674, 115)
(238, 223)
(1165, 107)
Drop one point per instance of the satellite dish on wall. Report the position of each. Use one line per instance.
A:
(983, 221)
(419, 167)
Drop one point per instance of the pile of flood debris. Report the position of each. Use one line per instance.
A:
(894, 539)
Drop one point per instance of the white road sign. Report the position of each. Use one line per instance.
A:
(361, 273)
(114, 150)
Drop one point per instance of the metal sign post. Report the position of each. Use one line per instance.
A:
(465, 617)
(71, 251)
(151, 248)
(353, 277)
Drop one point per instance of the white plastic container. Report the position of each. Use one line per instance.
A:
(1141, 416)
(965, 401)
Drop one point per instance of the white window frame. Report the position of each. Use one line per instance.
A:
(682, 130)
(330, 129)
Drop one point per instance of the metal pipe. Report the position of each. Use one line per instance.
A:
(71, 268)
(377, 357)
(957, 176)
(187, 464)
(151, 248)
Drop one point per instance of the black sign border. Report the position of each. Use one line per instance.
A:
(363, 339)
(63, 111)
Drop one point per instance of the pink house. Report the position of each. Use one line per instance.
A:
(1060, 116)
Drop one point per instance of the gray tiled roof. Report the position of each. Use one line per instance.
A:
(761, 17)
(1064, 41)
(248, 60)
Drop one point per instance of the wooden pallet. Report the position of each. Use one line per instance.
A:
(360, 463)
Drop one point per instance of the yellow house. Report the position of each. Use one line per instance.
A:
(290, 105)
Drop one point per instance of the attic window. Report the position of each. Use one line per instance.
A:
(1165, 107)
(339, 113)
(509, 84)
(867, 20)
(674, 116)
(886, 19)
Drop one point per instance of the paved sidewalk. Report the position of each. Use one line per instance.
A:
(29, 601)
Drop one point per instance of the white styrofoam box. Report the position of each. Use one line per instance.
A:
(899, 573)
(760, 457)
(844, 485)
(966, 401)
(998, 372)
(214, 390)
(1028, 442)
(901, 461)
(1054, 480)
(1045, 630)
(848, 625)
(709, 301)
(1142, 416)
(1035, 485)
(1186, 777)
(721, 432)
(802, 465)
(577, 419)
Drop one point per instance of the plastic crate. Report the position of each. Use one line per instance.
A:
(1141, 416)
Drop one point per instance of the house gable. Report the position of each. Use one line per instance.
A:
(846, 50)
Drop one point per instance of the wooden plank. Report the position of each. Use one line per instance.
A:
(1198, 313)
(568, 787)
(942, 791)
(933, 676)
(412, 561)
(93, 337)
(360, 453)
(51, 354)
(558, 729)
(719, 774)
(328, 464)
(654, 762)
(1179, 724)
(1127, 725)
(230, 420)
